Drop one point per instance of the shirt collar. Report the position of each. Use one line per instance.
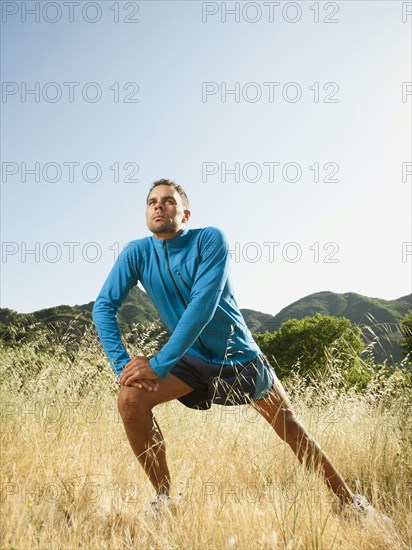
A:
(175, 242)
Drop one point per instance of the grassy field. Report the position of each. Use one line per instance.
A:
(69, 478)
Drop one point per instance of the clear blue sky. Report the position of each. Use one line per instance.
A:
(174, 131)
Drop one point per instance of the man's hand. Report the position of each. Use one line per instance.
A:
(140, 374)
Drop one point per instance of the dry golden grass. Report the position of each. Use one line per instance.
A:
(69, 478)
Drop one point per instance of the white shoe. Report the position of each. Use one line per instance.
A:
(162, 504)
(361, 505)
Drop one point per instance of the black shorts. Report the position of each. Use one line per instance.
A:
(224, 384)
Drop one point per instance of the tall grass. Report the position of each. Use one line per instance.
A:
(69, 478)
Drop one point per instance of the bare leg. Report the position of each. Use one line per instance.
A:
(142, 429)
(277, 410)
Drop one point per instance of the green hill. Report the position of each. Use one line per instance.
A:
(64, 319)
(136, 308)
(256, 319)
(355, 307)
(379, 318)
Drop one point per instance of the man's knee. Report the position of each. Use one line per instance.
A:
(134, 403)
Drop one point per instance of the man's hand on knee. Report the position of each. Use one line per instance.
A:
(140, 374)
(149, 385)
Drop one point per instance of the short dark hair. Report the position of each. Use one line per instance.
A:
(173, 184)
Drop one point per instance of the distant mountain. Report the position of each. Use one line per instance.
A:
(355, 307)
(137, 308)
(256, 320)
(380, 316)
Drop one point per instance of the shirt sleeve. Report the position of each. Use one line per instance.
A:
(122, 277)
(208, 285)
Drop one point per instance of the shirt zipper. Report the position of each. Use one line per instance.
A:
(180, 294)
(183, 281)
(171, 274)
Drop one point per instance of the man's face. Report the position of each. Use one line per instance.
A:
(165, 213)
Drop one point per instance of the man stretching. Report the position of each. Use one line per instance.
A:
(210, 356)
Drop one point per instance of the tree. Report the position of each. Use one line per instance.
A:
(305, 344)
(406, 330)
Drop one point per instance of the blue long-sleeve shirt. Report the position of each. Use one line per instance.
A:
(187, 279)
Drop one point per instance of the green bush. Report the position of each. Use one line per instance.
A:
(309, 346)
